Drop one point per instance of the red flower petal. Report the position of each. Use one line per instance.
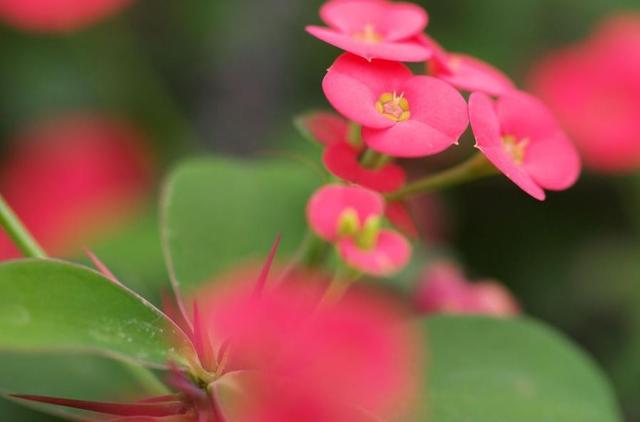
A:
(402, 51)
(341, 159)
(393, 21)
(399, 215)
(353, 86)
(390, 254)
(325, 128)
(57, 15)
(471, 74)
(487, 130)
(439, 117)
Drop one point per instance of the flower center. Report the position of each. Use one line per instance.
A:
(394, 107)
(368, 35)
(364, 235)
(515, 148)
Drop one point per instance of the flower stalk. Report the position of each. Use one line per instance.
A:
(374, 160)
(18, 233)
(475, 168)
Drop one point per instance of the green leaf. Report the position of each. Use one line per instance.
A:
(48, 305)
(219, 212)
(76, 376)
(488, 370)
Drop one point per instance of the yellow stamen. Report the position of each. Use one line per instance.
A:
(368, 34)
(364, 235)
(368, 236)
(394, 107)
(348, 223)
(515, 148)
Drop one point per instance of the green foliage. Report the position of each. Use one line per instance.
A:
(219, 212)
(80, 376)
(489, 370)
(54, 306)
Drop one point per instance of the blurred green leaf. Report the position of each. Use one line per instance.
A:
(56, 306)
(218, 212)
(81, 376)
(489, 370)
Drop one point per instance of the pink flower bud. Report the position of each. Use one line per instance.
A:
(444, 289)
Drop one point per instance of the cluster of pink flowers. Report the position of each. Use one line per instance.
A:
(395, 114)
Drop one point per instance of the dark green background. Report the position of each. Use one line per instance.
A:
(227, 76)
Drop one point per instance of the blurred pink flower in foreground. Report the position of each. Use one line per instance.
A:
(594, 88)
(402, 115)
(374, 29)
(351, 217)
(57, 15)
(521, 137)
(444, 289)
(73, 179)
(355, 360)
(342, 157)
(273, 352)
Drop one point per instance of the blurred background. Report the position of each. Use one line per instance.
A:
(92, 118)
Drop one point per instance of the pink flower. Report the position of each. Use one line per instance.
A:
(402, 115)
(350, 217)
(594, 89)
(374, 29)
(342, 157)
(444, 289)
(522, 139)
(57, 15)
(74, 179)
(297, 361)
(466, 72)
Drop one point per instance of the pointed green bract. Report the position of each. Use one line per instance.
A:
(489, 370)
(221, 212)
(48, 305)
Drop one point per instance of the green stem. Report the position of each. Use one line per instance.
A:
(343, 278)
(374, 160)
(19, 233)
(313, 251)
(477, 167)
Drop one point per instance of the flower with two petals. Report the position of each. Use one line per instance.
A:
(466, 72)
(402, 115)
(520, 136)
(374, 29)
(351, 218)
